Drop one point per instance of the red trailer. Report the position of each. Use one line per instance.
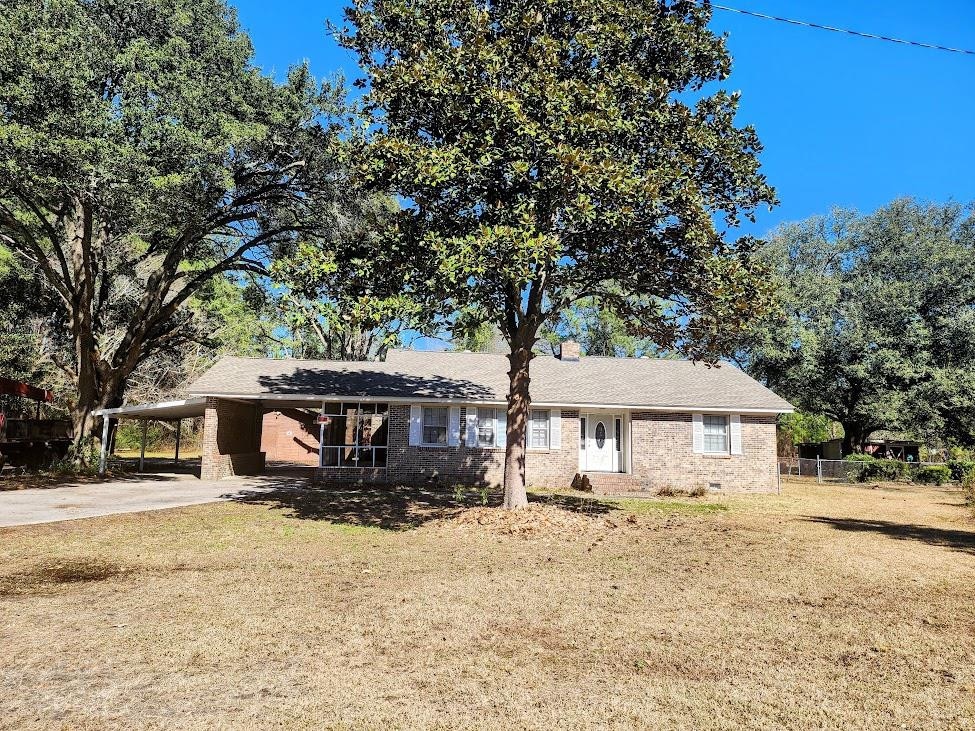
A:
(27, 440)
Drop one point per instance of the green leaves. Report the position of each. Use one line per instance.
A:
(142, 156)
(544, 152)
(880, 319)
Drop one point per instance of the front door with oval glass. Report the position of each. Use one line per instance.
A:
(600, 449)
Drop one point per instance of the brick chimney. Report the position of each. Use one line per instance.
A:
(569, 350)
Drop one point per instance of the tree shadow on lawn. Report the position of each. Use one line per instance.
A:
(50, 481)
(957, 540)
(395, 507)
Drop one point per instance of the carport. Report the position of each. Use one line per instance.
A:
(170, 411)
(231, 432)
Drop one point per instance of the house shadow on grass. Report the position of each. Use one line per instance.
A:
(956, 540)
(396, 507)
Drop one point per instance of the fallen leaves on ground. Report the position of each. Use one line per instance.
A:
(548, 521)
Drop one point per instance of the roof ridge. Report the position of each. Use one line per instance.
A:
(653, 358)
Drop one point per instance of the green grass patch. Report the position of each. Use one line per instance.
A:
(686, 507)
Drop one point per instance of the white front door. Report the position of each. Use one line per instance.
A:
(600, 442)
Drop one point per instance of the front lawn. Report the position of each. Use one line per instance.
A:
(823, 607)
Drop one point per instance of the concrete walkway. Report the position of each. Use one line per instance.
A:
(128, 495)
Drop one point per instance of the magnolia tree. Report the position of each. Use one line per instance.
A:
(547, 152)
(142, 155)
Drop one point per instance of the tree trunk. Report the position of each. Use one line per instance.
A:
(94, 394)
(519, 401)
(853, 438)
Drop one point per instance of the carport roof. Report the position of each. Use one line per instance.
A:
(162, 411)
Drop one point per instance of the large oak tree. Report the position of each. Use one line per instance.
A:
(142, 155)
(552, 151)
(879, 327)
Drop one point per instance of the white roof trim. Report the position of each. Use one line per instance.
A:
(489, 402)
(184, 408)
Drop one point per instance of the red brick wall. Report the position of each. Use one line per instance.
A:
(231, 441)
(556, 467)
(417, 464)
(472, 465)
(663, 455)
(291, 435)
(477, 465)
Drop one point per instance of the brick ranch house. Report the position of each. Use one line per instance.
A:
(629, 424)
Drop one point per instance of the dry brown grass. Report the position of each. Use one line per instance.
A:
(824, 607)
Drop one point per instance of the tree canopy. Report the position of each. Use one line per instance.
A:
(879, 326)
(598, 330)
(142, 155)
(323, 295)
(549, 152)
(25, 332)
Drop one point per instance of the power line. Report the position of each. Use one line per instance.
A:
(860, 34)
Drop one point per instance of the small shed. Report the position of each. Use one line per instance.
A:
(893, 445)
(830, 449)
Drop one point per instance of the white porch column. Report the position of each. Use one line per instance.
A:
(321, 438)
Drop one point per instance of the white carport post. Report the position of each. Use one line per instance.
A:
(321, 437)
(142, 452)
(103, 460)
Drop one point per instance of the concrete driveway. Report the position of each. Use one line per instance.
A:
(128, 495)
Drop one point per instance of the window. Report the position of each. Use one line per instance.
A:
(538, 430)
(716, 435)
(435, 425)
(619, 429)
(486, 426)
(353, 434)
(582, 433)
(600, 435)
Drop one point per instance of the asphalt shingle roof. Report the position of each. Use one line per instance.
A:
(480, 377)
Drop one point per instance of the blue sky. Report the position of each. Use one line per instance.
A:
(845, 121)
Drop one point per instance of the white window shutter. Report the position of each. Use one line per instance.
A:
(736, 447)
(555, 429)
(501, 427)
(471, 426)
(416, 425)
(453, 426)
(698, 434)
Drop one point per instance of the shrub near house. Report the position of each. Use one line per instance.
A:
(864, 468)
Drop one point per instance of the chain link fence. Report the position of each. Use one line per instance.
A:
(844, 471)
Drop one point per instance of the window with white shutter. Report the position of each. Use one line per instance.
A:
(435, 426)
(716, 434)
(538, 423)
